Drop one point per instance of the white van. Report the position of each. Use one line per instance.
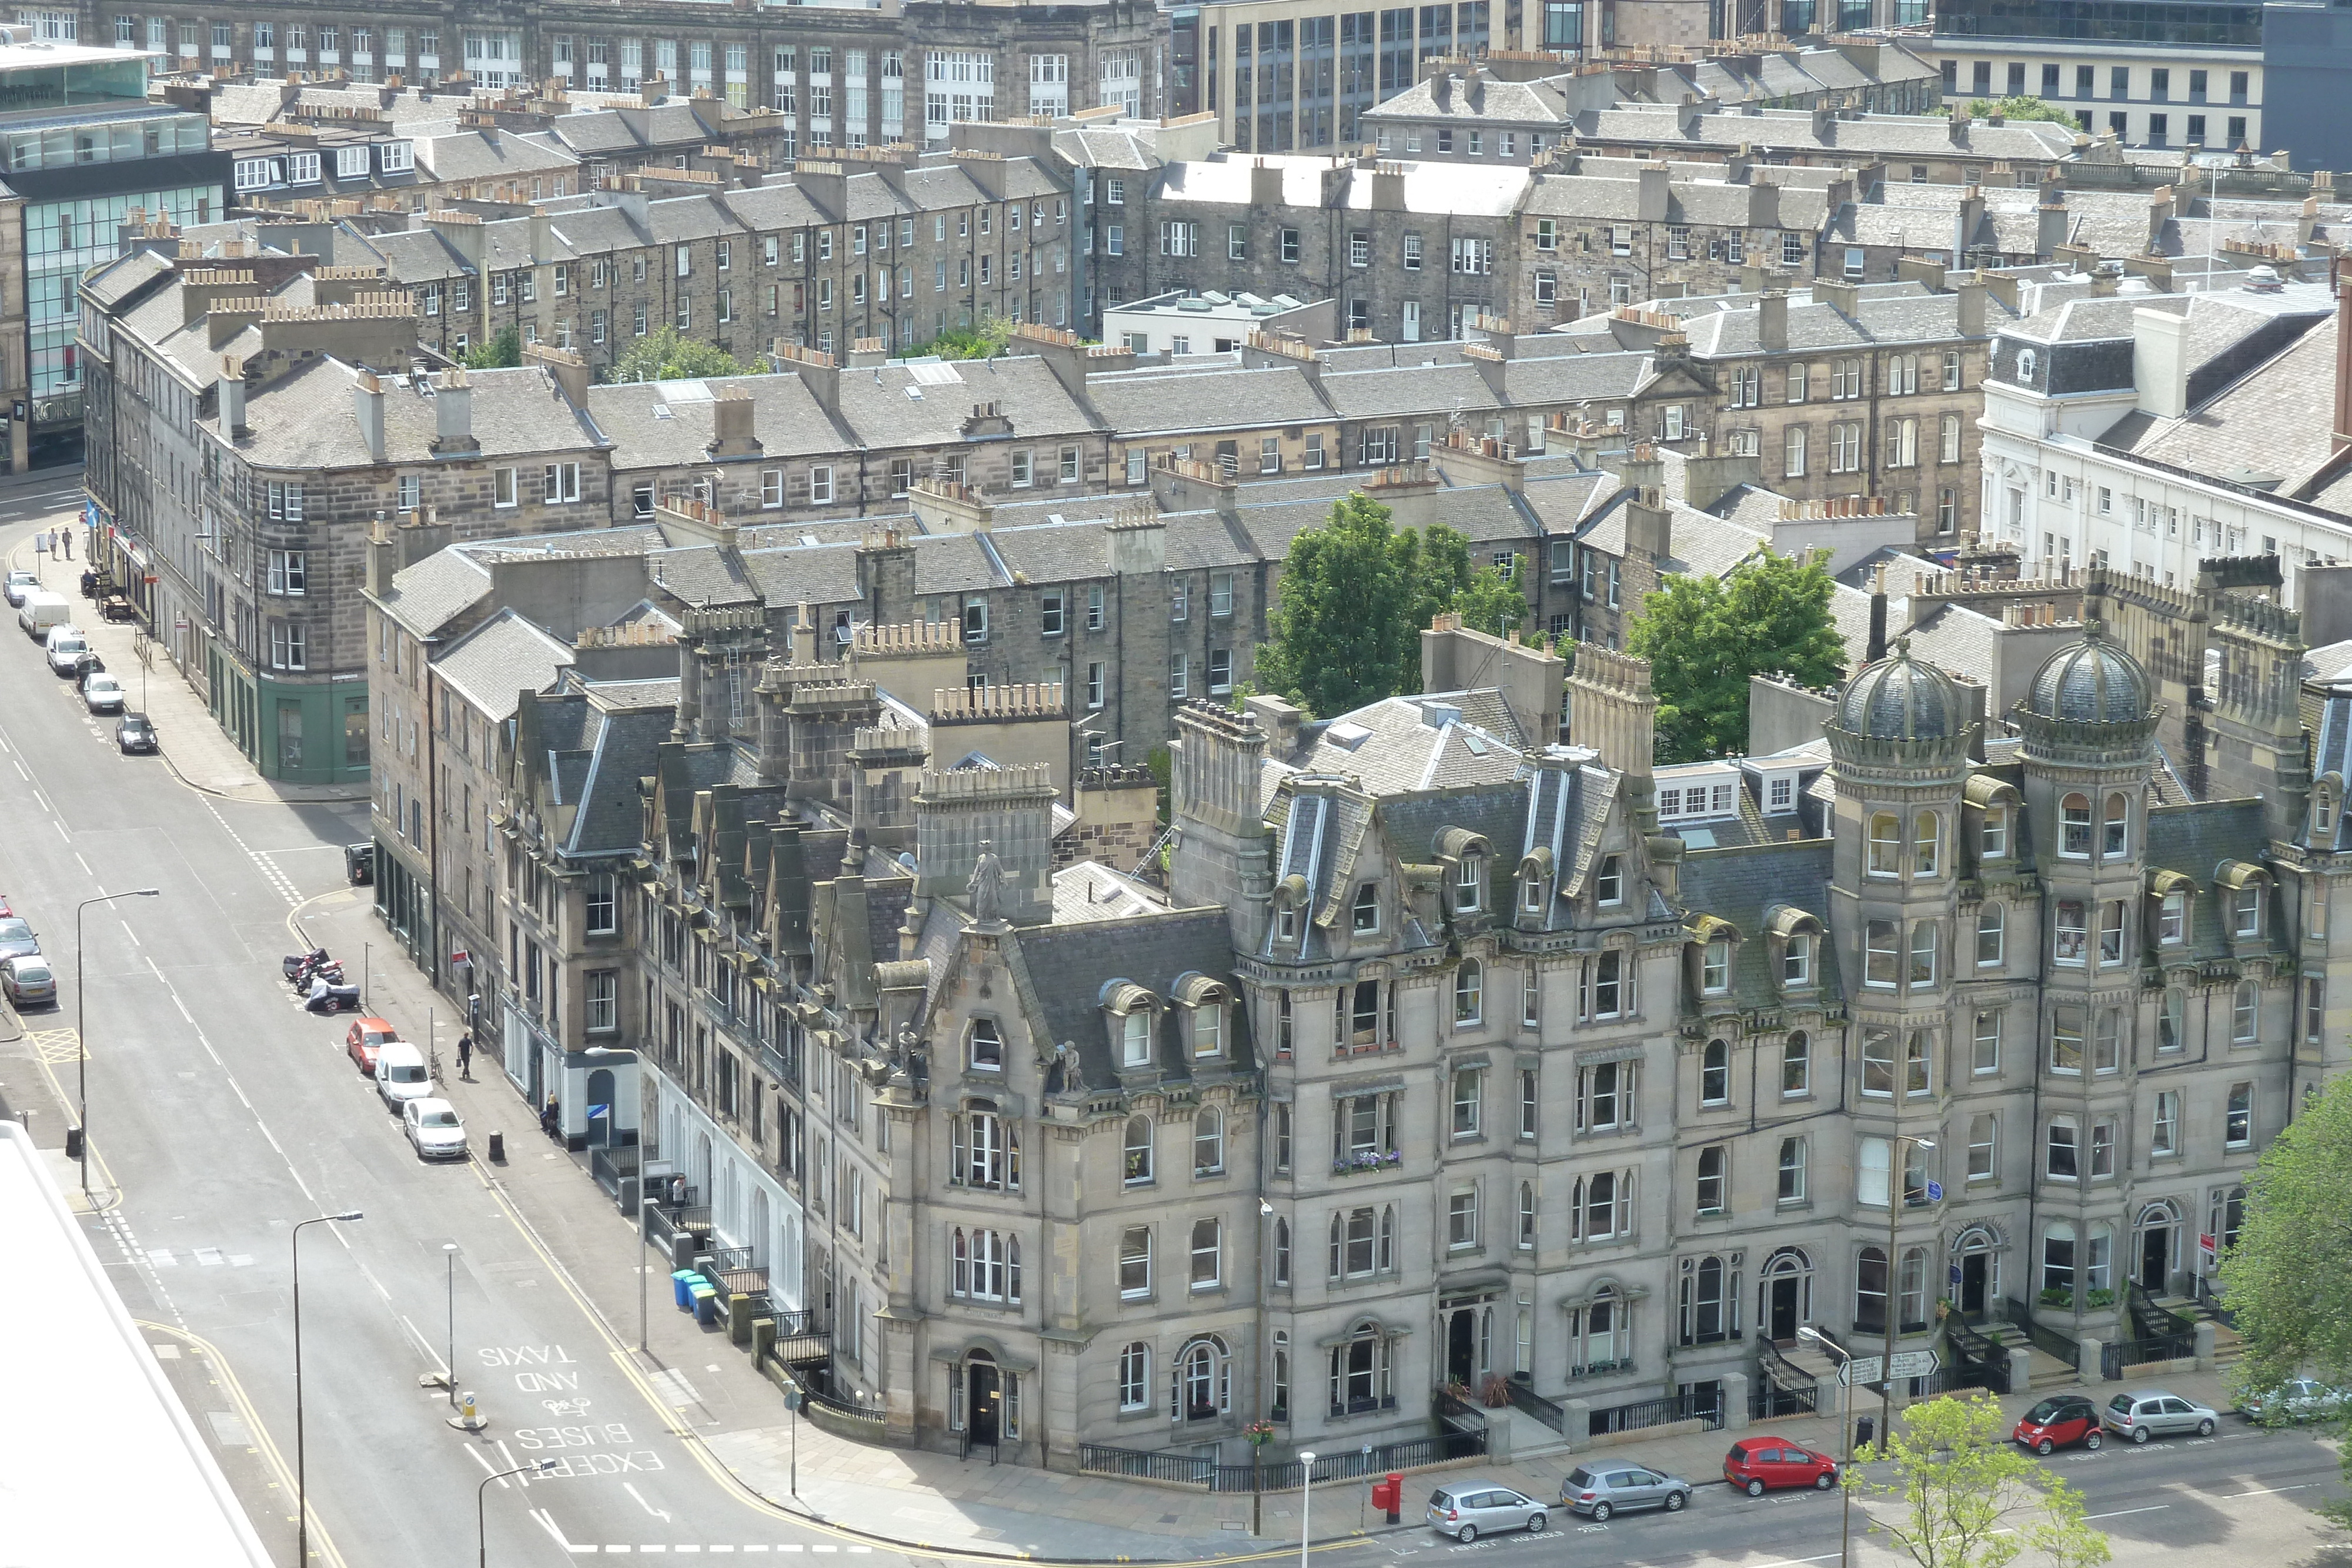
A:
(65, 646)
(41, 612)
(400, 1073)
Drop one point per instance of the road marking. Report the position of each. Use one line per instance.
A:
(2268, 1491)
(210, 1256)
(2153, 1507)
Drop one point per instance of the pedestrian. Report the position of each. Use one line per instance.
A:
(550, 1118)
(65, 538)
(466, 1056)
(677, 1191)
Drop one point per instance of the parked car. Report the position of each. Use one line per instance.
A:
(2297, 1399)
(39, 613)
(2145, 1413)
(434, 1130)
(1757, 1464)
(1600, 1490)
(1467, 1509)
(400, 1074)
(20, 583)
(365, 1037)
(101, 692)
(27, 981)
(17, 936)
(134, 732)
(2058, 1421)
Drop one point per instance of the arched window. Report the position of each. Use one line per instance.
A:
(1135, 1262)
(2322, 815)
(960, 1255)
(2247, 906)
(2074, 826)
(2117, 840)
(1715, 966)
(1926, 843)
(1885, 844)
(2245, 1014)
(1467, 998)
(1870, 1290)
(1531, 892)
(1709, 1292)
(1527, 1214)
(1208, 1141)
(1715, 1074)
(1135, 1376)
(1712, 1164)
(1984, 1133)
(1992, 841)
(1387, 1238)
(1134, 1038)
(1282, 1252)
(1204, 1381)
(987, 1265)
(1359, 1371)
(1992, 926)
(1208, 1254)
(1797, 1063)
(1912, 1287)
(1137, 1152)
(1797, 961)
(2058, 1265)
(1279, 1408)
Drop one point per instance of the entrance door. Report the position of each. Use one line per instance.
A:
(983, 1401)
(1783, 1309)
(1976, 1274)
(2156, 1259)
(600, 1106)
(1462, 1345)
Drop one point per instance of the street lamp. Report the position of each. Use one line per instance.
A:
(1306, 1500)
(1845, 1359)
(450, 1254)
(1257, 1486)
(481, 1538)
(82, 1030)
(1897, 1168)
(302, 1472)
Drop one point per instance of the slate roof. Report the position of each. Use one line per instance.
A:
(1069, 965)
(1409, 743)
(2274, 417)
(1742, 886)
(2194, 838)
(309, 419)
(503, 656)
(428, 596)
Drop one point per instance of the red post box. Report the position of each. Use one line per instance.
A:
(1388, 1495)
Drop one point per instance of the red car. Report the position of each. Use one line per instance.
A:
(2057, 1421)
(366, 1037)
(1755, 1463)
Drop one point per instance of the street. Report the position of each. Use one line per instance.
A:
(222, 1115)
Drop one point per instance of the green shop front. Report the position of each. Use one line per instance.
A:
(297, 732)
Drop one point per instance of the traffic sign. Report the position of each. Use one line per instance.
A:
(1916, 1363)
(1860, 1369)
(1954, 1272)
(1935, 1192)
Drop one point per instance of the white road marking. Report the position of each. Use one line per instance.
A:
(483, 1459)
(210, 1256)
(2268, 1491)
(2154, 1508)
(161, 1257)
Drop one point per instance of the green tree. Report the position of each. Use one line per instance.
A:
(1964, 1496)
(1337, 623)
(2025, 109)
(1492, 603)
(1705, 636)
(985, 340)
(2289, 1276)
(670, 355)
(502, 351)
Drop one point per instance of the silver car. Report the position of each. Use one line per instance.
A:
(2297, 1399)
(1600, 1490)
(1467, 1509)
(2145, 1413)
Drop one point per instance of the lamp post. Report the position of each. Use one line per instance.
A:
(302, 1472)
(1896, 1195)
(1845, 1359)
(450, 1255)
(81, 1029)
(1264, 1367)
(481, 1535)
(1306, 1500)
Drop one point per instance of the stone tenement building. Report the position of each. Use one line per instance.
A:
(1450, 1051)
(848, 76)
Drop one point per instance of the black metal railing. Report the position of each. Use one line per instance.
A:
(1644, 1414)
(2209, 1301)
(1363, 1404)
(1778, 1369)
(1551, 1413)
(1279, 1475)
(1773, 1400)
(1982, 1359)
(859, 1411)
(2152, 1320)
(2114, 1358)
(2046, 1340)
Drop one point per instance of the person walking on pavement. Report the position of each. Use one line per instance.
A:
(465, 1055)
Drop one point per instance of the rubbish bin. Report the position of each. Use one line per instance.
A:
(705, 1302)
(1865, 1430)
(680, 1283)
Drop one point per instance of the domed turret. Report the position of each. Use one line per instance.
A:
(2092, 682)
(1900, 698)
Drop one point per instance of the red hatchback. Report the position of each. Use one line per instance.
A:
(1755, 1463)
(365, 1037)
(2057, 1421)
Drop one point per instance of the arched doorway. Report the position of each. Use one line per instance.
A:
(1979, 1273)
(600, 1107)
(756, 1234)
(700, 1176)
(2159, 1245)
(1786, 1295)
(1469, 1337)
(983, 1392)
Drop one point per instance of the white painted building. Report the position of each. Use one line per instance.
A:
(1181, 323)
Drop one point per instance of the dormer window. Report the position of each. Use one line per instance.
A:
(1135, 1039)
(1531, 899)
(1797, 962)
(1285, 923)
(1365, 913)
(1993, 841)
(1467, 876)
(1608, 887)
(985, 1050)
(2248, 909)
(1715, 967)
(2172, 919)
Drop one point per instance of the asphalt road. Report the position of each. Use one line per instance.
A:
(223, 1113)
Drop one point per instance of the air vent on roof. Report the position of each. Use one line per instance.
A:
(1347, 736)
(661, 411)
(1437, 716)
(914, 392)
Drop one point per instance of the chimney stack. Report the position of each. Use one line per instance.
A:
(1007, 814)
(452, 415)
(367, 400)
(232, 396)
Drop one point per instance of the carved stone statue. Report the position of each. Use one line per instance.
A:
(1066, 1076)
(987, 885)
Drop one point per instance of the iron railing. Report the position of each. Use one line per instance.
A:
(1773, 1400)
(2046, 1340)
(2152, 1320)
(1279, 1475)
(2114, 1358)
(1985, 1363)
(855, 1412)
(2209, 1300)
(1643, 1414)
(1550, 1412)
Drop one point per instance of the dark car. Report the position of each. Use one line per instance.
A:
(2057, 1421)
(86, 662)
(17, 936)
(1755, 1463)
(134, 732)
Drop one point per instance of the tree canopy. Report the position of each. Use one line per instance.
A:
(2288, 1279)
(984, 340)
(500, 352)
(1355, 594)
(668, 355)
(1705, 636)
(1964, 1496)
(2026, 107)
(1492, 603)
